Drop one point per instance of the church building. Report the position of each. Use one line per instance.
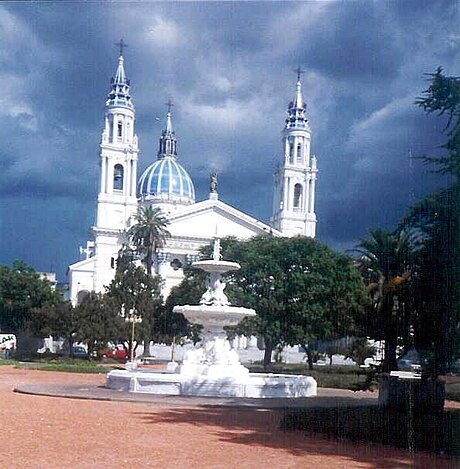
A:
(167, 185)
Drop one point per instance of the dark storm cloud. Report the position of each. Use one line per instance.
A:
(228, 67)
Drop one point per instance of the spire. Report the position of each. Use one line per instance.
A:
(168, 143)
(119, 93)
(120, 75)
(297, 107)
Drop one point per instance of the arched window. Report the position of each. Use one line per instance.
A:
(299, 152)
(291, 152)
(82, 295)
(118, 177)
(176, 264)
(298, 191)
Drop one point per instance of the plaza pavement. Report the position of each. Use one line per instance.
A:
(78, 430)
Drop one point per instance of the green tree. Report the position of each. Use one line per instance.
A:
(189, 291)
(436, 296)
(133, 289)
(387, 261)
(58, 319)
(97, 322)
(437, 217)
(442, 97)
(148, 234)
(301, 290)
(359, 350)
(21, 290)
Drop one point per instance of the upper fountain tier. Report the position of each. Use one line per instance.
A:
(216, 264)
(212, 265)
(215, 267)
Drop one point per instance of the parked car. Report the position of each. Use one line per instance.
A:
(78, 351)
(118, 352)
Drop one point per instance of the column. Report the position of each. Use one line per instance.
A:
(312, 195)
(127, 184)
(103, 174)
(109, 178)
(307, 193)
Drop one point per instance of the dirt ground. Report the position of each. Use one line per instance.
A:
(47, 432)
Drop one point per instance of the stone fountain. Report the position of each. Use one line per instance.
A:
(213, 369)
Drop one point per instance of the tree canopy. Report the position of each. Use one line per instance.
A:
(148, 234)
(388, 263)
(134, 289)
(442, 97)
(22, 290)
(437, 217)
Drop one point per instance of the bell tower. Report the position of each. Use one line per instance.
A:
(295, 179)
(117, 201)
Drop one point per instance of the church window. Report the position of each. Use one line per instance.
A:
(176, 264)
(118, 177)
(299, 152)
(298, 191)
(291, 152)
(120, 129)
(82, 295)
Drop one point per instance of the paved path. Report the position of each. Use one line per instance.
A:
(54, 432)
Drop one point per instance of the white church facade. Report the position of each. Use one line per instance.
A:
(167, 185)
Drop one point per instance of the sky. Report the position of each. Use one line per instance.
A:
(228, 67)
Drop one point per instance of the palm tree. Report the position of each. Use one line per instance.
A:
(387, 261)
(149, 234)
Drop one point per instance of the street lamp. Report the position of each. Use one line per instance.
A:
(133, 319)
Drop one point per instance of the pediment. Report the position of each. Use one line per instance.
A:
(211, 218)
(84, 265)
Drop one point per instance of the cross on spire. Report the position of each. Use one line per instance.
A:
(121, 44)
(170, 104)
(299, 72)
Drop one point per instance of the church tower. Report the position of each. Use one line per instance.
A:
(117, 201)
(117, 188)
(294, 180)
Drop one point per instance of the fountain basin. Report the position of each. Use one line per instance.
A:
(217, 316)
(219, 266)
(253, 385)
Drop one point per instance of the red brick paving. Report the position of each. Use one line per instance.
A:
(47, 432)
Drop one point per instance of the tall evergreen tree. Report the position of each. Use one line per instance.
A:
(438, 218)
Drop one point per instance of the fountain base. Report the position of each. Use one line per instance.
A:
(252, 385)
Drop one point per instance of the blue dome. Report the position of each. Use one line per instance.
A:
(166, 181)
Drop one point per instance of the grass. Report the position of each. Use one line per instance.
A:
(420, 431)
(7, 362)
(66, 364)
(453, 391)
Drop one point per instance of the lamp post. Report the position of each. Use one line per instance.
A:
(133, 319)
